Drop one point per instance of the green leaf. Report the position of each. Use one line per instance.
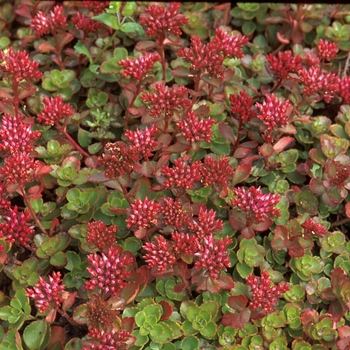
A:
(35, 335)
(83, 50)
(244, 270)
(73, 258)
(132, 28)
(59, 259)
(4, 42)
(209, 331)
(129, 8)
(107, 19)
(190, 343)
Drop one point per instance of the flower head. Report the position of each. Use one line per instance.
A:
(230, 45)
(213, 256)
(109, 340)
(284, 64)
(327, 50)
(273, 113)
(119, 159)
(317, 81)
(184, 243)
(174, 214)
(47, 295)
(100, 235)
(159, 254)
(166, 100)
(263, 294)
(18, 168)
(96, 7)
(16, 228)
(206, 224)
(160, 20)
(344, 89)
(58, 20)
(18, 66)
(241, 105)
(86, 24)
(143, 140)
(109, 271)
(143, 214)
(181, 175)
(4, 202)
(54, 110)
(138, 67)
(311, 226)
(195, 129)
(41, 24)
(257, 206)
(16, 135)
(216, 172)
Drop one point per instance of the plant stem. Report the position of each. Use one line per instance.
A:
(32, 212)
(72, 141)
(67, 317)
(238, 136)
(340, 222)
(127, 113)
(196, 78)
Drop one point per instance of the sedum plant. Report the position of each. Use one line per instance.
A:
(174, 175)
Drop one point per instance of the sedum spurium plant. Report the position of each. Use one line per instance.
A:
(174, 175)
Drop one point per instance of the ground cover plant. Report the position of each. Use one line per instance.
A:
(174, 175)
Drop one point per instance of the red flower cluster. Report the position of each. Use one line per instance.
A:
(160, 20)
(216, 172)
(273, 114)
(194, 129)
(96, 7)
(4, 202)
(98, 234)
(54, 110)
(15, 227)
(209, 57)
(257, 206)
(173, 214)
(181, 175)
(109, 271)
(166, 100)
(119, 159)
(143, 214)
(17, 66)
(206, 224)
(311, 226)
(327, 50)
(138, 67)
(47, 295)
(159, 254)
(316, 81)
(263, 295)
(241, 105)
(143, 140)
(19, 168)
(185, 244)
(284, 64)
(111, 340)
(338, 174)
(213, 256)
(86, 24)
(344, 89)
(15, 135)
(45, 24)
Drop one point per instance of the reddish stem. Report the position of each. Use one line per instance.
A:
(127, 113)
(71, 140)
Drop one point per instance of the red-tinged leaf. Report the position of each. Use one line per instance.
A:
(283, 143)
(241, 173)
(46, 47)
(250, 160)
(27, 92)
(317, 187)
(248, 232)
(274, 20)
(128, 324)
(237, 219)
(171, 43)
(129, 292)
(141, 233)
(202, 110)
(51, 316)
(238, 320)
(24, 11)
(338, 277)
(227, 319)
(242, 152)
(43, 170)
(176, 148)
(138, 111)
(226, 132)
(212, 81)
(146, 168)
(181, 72)
(145, 45)
(309, 316)
(167, 310)
(344, 331)
(226, 282)
(336, 310)
(282, 39)
(65, 38)
(347, 209)
(266, 150)
(3, 258)
(5, 94)
(180, 287)
(58, 335)
(69, 300)
(237, 302)
(262, 226)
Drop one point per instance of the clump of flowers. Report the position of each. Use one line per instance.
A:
(86, 24)
(54, 110)
(185, 245)
(241, 105)
(252, 210)
(118, 158)
(100, 235)
(263, 294)
(312, 227)
(160, 21)
(96, 7)
(143, 140)
(48, 295)
(194, 129)
(206, 224)
(284, 64)
(344, 89)
(138, 67)
(273, 114)
(327, 50)
(109, 271)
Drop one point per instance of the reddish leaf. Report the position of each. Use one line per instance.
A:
(167, 310)
(237, 302)
(344, 331)
(129, 292)
(4, 94)
(241, 173)
(283, 143)
(181, 72)
(237, 219)
(145, 45)
(336, 310)
(262, 226)
(238, 320)
(226, 282)
(58, 335)
(226, 132)
(248, 232)
(180, 287)
(69, 301)
(46, 47)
